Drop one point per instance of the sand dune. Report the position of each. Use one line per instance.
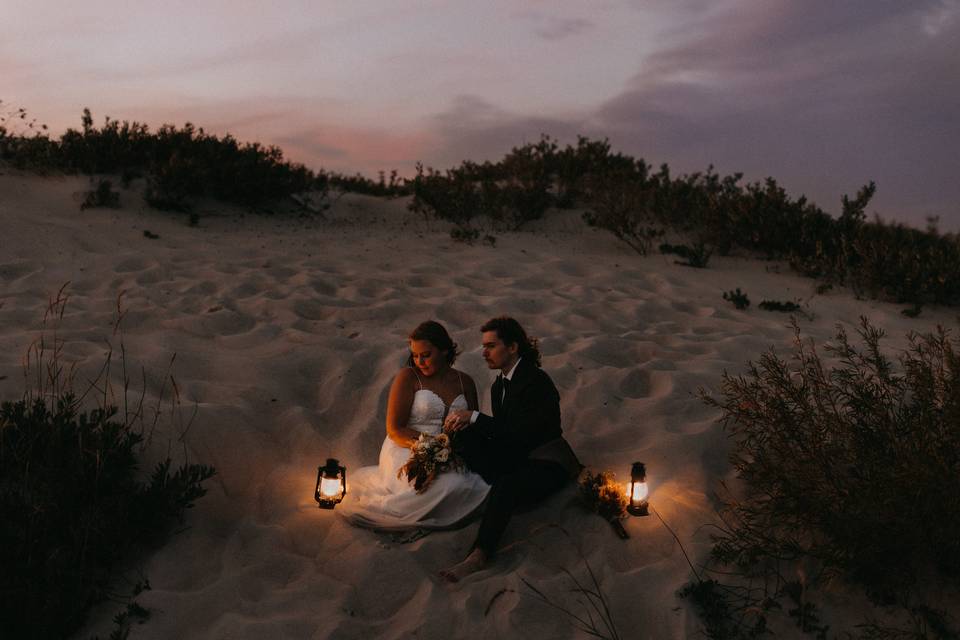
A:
(287, 333)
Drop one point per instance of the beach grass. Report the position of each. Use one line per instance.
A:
(77, 505)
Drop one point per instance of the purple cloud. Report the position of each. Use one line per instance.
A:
(820, 95)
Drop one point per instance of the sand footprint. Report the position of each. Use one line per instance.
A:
(131, 265)
(314, 309)
(695, 309)
(246, 290)
(11, 271)
(218, 321)
(646, 383)
(616, 352)
(323, 287)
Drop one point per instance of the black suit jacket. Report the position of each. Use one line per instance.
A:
(526, 424)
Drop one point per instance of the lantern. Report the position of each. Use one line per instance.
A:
(331, 484)
(637, 491)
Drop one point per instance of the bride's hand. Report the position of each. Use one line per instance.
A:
(457, 420)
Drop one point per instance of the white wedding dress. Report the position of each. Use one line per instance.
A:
(377, 499)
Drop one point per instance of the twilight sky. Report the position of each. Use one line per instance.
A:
(823, 95)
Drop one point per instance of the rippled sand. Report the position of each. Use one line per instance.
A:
(287, 333)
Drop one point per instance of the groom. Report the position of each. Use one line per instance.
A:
(519, 450)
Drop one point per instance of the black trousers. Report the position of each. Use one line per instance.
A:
(525, 484)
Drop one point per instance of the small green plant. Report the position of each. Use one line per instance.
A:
(913, 312)
(102, 196)
(696, 256)
(596, 618)
(464, 234)
(738, 298)
(778, 305)
(728, 613)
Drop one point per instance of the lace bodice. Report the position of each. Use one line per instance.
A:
(428, 411)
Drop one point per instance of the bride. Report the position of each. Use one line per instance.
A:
(421, 396)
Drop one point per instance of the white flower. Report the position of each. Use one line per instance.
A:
(443, 440)
(443, 455)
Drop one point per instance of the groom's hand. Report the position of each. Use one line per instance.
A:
(457, 420)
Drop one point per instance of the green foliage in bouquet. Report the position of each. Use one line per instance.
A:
(429, 457)
(848, 468)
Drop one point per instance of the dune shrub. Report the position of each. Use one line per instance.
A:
(621, 204)
(783, 306)
(697, 255)
(357, 183)
(847, 468)
(467, 235)
(102, 196)
(179, 163)
(738, 298)
(510, 193)
(76, 505)
(451, 196)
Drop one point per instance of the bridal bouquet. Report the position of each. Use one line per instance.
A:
(428, 457)
(604, 496)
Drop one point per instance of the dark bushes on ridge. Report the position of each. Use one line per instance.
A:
(714, 213)
(178, 163)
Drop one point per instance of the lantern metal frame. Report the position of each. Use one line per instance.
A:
(333, 469)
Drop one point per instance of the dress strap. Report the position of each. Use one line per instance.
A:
(460, 378)
(419, 381)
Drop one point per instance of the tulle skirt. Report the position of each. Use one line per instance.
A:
(377, 499)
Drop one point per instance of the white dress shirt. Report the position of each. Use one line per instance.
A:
(508, 376)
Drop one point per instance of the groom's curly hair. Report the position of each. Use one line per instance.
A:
(436, 334)
(510, 332)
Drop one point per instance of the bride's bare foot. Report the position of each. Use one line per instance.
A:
(474, 562)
